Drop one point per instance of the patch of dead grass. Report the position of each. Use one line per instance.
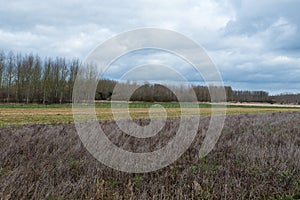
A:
(19, 116)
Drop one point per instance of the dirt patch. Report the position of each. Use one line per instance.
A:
(257, 156)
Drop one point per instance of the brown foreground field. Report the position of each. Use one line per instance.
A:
(256, 157)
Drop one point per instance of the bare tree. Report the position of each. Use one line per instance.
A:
(36, 79)
(46, 80)
(9, 76)
(2, 70)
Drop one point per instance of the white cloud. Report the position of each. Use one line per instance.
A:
(252, 41)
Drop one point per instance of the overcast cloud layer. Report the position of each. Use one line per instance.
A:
(255, 45)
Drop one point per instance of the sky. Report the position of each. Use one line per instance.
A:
(254, 44)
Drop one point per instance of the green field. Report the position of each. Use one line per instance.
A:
(18, 114)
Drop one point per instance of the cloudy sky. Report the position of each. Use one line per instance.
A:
(254, 44)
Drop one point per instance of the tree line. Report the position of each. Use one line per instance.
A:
(28, 79)
(31, 79)
(161, 93)
(286, 99)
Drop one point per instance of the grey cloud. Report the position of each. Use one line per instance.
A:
(274, 23)
(255, 44)
(153, 57)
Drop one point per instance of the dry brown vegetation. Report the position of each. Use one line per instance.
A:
(257, 157)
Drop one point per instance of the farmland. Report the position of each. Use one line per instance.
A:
(150, 100)
(256, 157)
(19, 114)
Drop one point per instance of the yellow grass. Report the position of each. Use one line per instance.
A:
(19, 116)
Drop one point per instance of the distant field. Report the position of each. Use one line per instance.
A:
(18, 114)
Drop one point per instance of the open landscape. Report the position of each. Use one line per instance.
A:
(150, 100)
(42, 156)
(256, 157)
(18, 114)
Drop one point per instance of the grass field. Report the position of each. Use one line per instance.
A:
(19, 114)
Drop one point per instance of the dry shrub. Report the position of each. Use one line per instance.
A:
(256, 157)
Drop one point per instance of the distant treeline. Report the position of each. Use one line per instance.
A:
(286, 99)
(30, 79)
(157, 92)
